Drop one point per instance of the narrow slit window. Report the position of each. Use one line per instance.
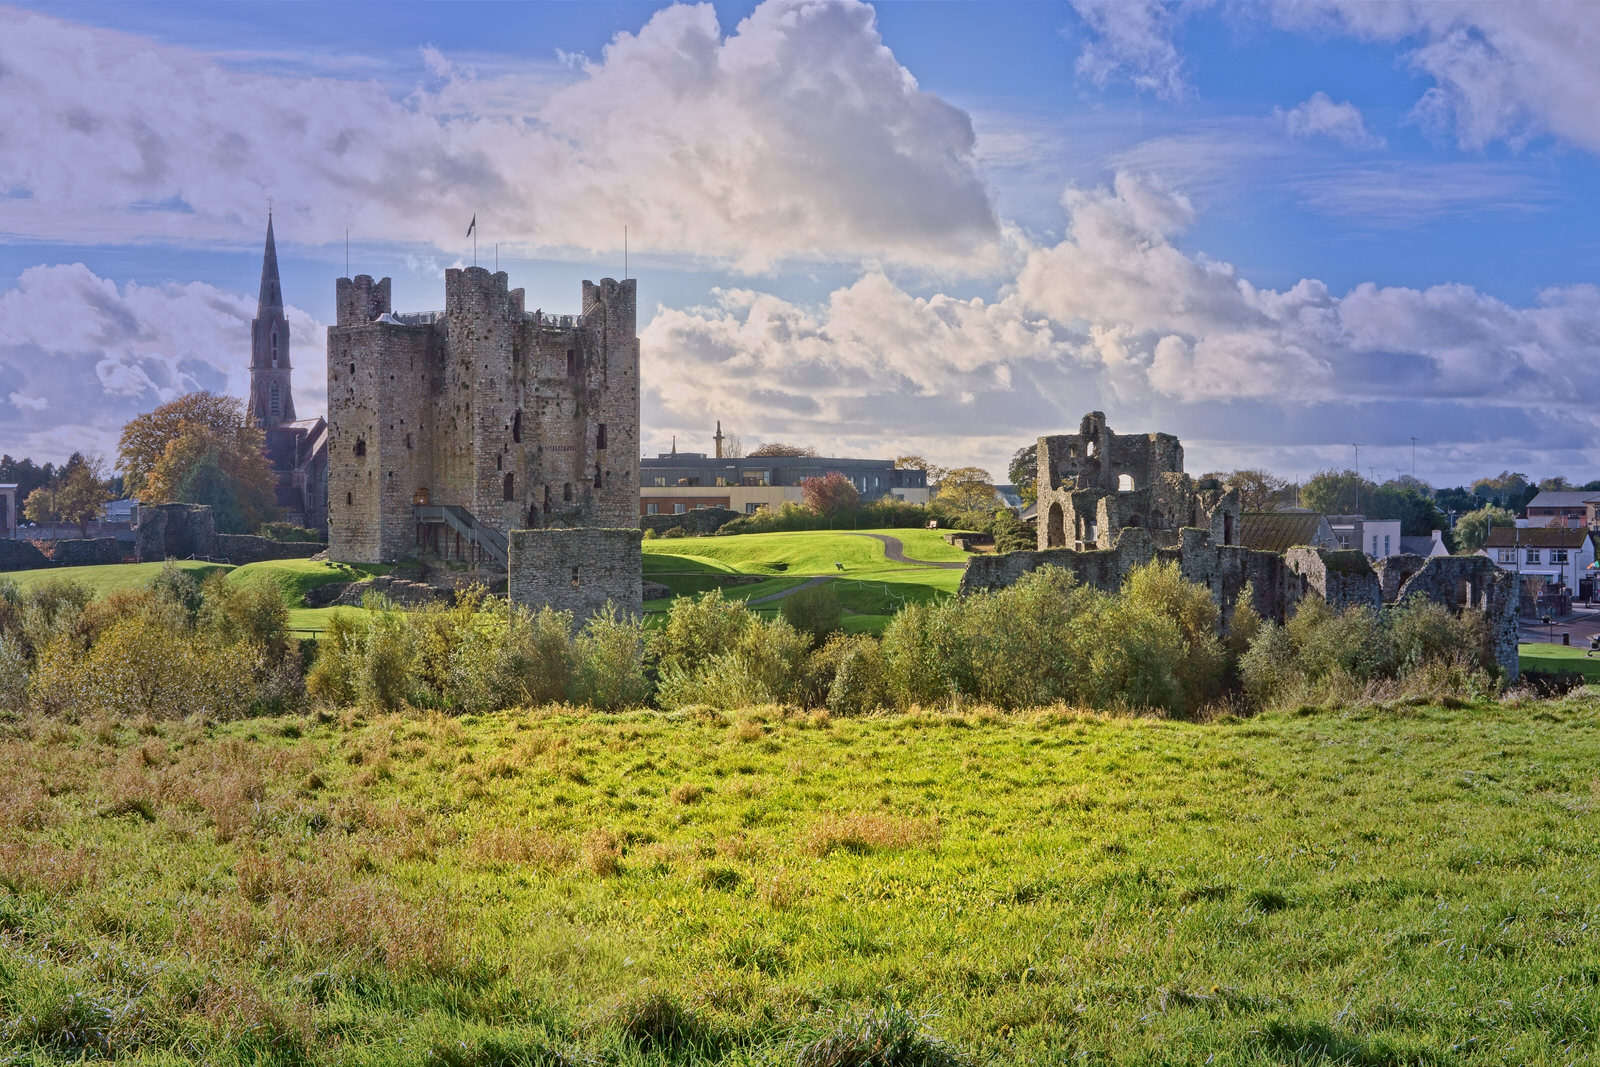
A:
(547, 500)
(572, 363)
(598, 481)
(510, 491)
(574, 577)
(516, 427)
(566, 491)
(361, 446)
(600, 437)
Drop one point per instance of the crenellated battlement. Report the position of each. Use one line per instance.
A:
(360, 300)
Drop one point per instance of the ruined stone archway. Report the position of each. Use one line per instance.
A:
(1057, 530)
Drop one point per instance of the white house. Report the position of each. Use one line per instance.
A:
(1561, 556)
(1378, 538)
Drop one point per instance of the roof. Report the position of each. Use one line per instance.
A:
(1279, 531)
(1563, 499)
(1420, 545)
(1536, 537)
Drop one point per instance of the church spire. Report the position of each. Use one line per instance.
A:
(270, 400)
(271, 291)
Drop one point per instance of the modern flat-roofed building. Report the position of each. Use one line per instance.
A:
(675, 482)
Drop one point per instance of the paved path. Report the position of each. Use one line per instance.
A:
(895, 551)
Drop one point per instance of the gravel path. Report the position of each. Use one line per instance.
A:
(896, 553)
(810, 583)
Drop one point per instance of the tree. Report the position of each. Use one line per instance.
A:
(830, 494)
(781, 448)
(25, 475)
(733, 446)
(201, 466)
(1337, 493)
(78, 494)
(966, 489)
(1259, 489)
(1472, 529)
(1024, 473)
(144, 439)
(1590, 487)
(1509, 490)
(201, 448)
(1416, 509)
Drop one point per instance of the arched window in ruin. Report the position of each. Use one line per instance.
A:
(566, 492)
(510, 492)
(516, 426)
(1227, 527)
(1057, 535)
(1133, 520)
(1124, 483)
(361, 446)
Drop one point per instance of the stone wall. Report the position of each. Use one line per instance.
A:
(83, 551)
(174, 531)
(1343, 578)
(700, 521)
(577, 570)
(1473, 583)
(21, 556)
(240, 549)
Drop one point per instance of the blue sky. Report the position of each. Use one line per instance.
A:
(938, 228)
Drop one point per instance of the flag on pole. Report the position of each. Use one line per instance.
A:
(473, 225)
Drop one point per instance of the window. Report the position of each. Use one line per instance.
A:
(274, 398)
(274, 348)
(1535, 556)
(1558, 555)
(572, 363)
(1374, 544)
(600, 437)
(516, 427)
(599, 482)
(547, 500)
(1385, 544)
(347, 499)
(751, 509)
(658, 480)
(361, 446)
(677, 509)
(574, 577)
(566, 492)
(510, 491)
(652, 509)
(1507, 555)
(1124, 483)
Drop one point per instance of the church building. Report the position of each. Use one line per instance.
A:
(296, 448)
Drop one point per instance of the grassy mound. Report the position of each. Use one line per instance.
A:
(1403, 885)
(107, 578)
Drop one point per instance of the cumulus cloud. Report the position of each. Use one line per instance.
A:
(1133, 40)
(82, 355)
(797, 135)
(1116, 316)
(1319, 116)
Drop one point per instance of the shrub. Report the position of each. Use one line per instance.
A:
(509, 655)
(913, 668)
(813, 611)
(13, 674)
(763, 667)
(859, 685)
(236, 611)
(609, 663)
(288, 531)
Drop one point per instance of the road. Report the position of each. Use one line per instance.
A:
(895, 551)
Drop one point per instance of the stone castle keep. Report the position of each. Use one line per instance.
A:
(449, 430)
(1110, 503)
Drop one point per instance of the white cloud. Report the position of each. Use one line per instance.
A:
(1504, 72)
(797, 135)
(1133, 39)
(81, 356)
(1320, 116)
(29, 403)
(1117, 317)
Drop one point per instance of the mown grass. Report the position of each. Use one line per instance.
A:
(1542, 656)
(297, 577)
(871, 588)
(104, 579)
(1392, 885)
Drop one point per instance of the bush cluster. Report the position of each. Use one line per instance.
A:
(477, 655)
(176, 648)
(1322, 656)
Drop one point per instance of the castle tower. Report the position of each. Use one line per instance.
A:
(271, 402)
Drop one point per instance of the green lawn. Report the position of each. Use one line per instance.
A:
(297, 577)
(870, 587)
(1540, 656)
(105, 579)
(1394, 886)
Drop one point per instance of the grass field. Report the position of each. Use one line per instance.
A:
(1541, 656)
(1409, 885)
(870, 587)
(105, 579)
